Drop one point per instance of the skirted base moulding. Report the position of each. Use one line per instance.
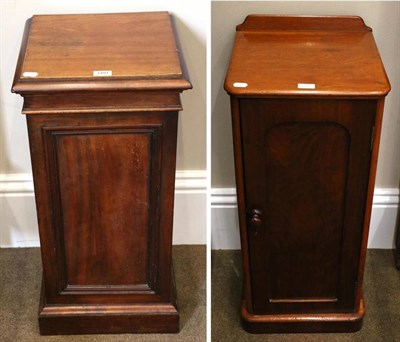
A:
(303, 323)
(59, 319)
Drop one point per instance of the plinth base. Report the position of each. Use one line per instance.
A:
(57, 319)
(303, 323)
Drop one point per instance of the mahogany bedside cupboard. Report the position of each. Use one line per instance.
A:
(307, 98)
(101, 97)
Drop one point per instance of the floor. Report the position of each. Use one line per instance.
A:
(20, 279)
(381, 291)
(20, 287)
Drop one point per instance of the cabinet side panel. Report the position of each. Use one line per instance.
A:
(104, 185)
(104, 193)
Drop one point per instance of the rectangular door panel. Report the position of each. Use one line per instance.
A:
(305, 175)
(302, 162)
(102, 179)
(104, 193)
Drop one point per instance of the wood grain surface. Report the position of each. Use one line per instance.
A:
(306, 169)
(104, 186)
(272, 55)
(104, 195)
(63, 51)
(73, 46)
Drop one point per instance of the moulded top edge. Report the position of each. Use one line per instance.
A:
(115, 51)
(231, 90)
(176, 85)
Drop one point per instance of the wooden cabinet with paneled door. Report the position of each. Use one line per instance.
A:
(101, 96)
(307, 99)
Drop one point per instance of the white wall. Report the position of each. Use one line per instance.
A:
(18, 224)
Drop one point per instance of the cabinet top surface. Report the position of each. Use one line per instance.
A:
(99, 51)
(305, 56)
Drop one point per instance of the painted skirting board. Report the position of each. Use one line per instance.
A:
(225, 224)
(18, 223)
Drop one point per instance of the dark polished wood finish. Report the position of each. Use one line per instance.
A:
(305, 162)
(397, 250)
(103, 159)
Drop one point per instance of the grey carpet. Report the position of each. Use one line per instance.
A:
(381, 292)
(20, 277)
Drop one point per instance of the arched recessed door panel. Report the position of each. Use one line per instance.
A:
(306, 167)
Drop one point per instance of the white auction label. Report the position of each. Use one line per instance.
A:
(240, 85)
(30, 74)
(305, 85)
(102, 73)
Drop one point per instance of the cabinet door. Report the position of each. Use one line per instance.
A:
(104, 189)
(306, 168)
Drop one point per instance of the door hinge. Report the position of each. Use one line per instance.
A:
(372, 137)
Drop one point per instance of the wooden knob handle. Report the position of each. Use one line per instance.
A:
(254, 216)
